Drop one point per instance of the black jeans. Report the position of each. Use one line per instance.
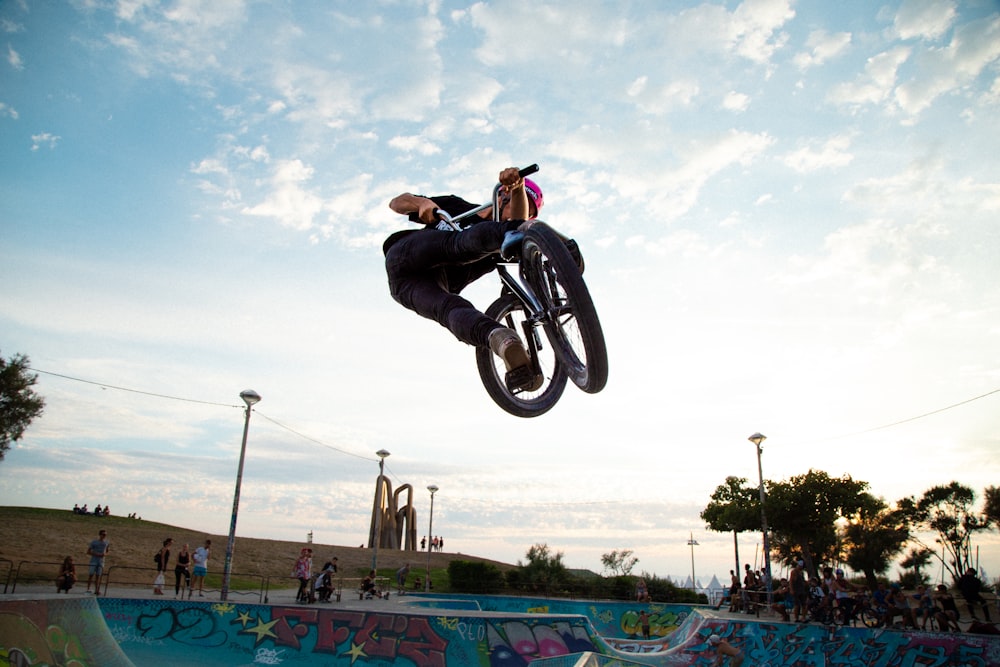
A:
(181, 572)
(428, 268)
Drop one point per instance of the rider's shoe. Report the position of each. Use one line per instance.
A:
(505, 343)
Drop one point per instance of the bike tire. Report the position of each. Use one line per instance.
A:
(870, 618)
(509, 311)
(571, 325)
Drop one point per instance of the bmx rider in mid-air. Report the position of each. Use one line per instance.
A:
(428, 268)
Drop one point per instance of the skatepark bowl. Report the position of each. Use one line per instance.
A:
(79, 630)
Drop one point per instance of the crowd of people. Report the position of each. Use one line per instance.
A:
(800, 599)
(98, 511)
(437, 543)
(186, 577)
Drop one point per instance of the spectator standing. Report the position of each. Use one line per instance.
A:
(401, 575)
(67, 575)
(971, 588)
(799, 589)
(181, 571)
(644, 624)
(162, 559)
(200, 559)
(302, 572)
(97, 551)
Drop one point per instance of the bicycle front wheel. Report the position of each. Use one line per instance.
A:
(509, 311)
(571, 322)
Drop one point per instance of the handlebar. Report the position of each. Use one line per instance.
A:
(452, 221)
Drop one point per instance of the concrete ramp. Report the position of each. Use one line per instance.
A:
(78, 631)
(57, 630)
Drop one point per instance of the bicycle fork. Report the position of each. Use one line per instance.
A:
(534, 314)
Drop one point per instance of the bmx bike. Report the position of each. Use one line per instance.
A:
(542, 291)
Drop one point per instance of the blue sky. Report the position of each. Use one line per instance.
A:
(788, 209)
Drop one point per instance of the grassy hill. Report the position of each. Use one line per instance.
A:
(42, 537)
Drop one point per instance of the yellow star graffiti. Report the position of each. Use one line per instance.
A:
(357, 651)
(223, 608)
(262, 630)
(243, 618)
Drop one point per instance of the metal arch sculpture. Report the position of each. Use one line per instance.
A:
(394, 519)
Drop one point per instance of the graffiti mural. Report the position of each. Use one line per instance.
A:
(66, 633)
(84, 632)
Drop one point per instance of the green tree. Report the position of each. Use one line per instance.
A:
(992, 509)
(19, 404)
(947, 510)
(619, 563)
(873, 536)
(544, 569)
(916, 558)
(735, 507)
(802, 513)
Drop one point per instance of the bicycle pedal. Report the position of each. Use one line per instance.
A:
(522, 379)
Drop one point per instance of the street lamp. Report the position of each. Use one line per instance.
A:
(250, 397)
(379, 500)
(430, 531)
(692, 543)
(756, 439)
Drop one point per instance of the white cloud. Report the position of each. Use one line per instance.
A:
(926, 19)
(44, 139)
(288, 201)
(876, 84)
(7, 110)
(973, 47)
(832, 153)
(822, 47)
(14, 58)
(734, 101)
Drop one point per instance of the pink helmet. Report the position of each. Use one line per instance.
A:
(535, 194)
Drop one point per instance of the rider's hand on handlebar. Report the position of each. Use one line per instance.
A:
(427, 212)
(510, 179)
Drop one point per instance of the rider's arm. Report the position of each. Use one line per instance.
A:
(514, 187)
(408, 204)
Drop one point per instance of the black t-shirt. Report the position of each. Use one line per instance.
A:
(451, 204)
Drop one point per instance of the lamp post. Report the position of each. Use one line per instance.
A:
(756, 439)
(692, 543)
(378, 508)
(430, 531)
(250, 397)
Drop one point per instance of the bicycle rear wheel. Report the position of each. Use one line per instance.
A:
(870, 617)
(509, 311)
(571, 323)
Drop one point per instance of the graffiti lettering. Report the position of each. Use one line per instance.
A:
(384, 636)
(194, 626)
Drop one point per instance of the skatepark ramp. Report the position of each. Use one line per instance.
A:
(486, 631)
